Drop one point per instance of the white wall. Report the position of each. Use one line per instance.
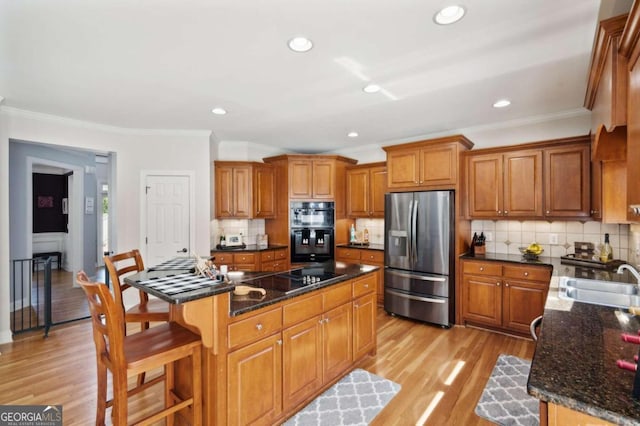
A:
(136, 150)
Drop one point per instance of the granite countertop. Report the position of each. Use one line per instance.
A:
(253, 301)
(249, 247)
(379, 247)
(574, 364)
(172, 292)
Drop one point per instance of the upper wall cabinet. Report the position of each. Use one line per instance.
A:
(543, 180)
(431, 164)
(630, 48)
(312, 178)
(366, 186)
(243, 190)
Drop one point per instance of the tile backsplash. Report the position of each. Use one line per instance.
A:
(507, 235)
(249, 229)
(375, 228)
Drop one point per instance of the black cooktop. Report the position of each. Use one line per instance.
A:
(296, 279)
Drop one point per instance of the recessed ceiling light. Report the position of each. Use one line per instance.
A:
(501, 103)
(219, 111)
(449, 15)
(300, 44)
(371, 88)
(352, 134)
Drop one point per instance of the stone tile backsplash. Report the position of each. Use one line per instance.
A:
(249, 229)
(507, 235)
(375, 228)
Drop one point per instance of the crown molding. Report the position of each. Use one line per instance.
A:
(22, 113)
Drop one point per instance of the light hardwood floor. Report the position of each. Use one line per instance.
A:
(421, 358)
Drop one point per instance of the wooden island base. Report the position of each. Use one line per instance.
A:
(263, 366)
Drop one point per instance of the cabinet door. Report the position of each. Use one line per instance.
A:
(254, 383)
(482, 299)
(438, 165)
(302, 361)
(485, 187)
(224, 191)
(403, 168)
(300, 179)
(364, 326)
(522, 303)
(337, 341)
(242, 192)
(633, 139)
(596, 190)
(522, 183)
(567, 180)
(264, 200)
(324, 176)
(377, 189)
(358, 188)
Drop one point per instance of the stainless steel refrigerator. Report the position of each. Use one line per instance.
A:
(419, 270)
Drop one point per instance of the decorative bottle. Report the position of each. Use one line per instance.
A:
(366, 235)
(352, 234)
(606, 253)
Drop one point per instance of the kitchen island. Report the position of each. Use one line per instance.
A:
(266, 356)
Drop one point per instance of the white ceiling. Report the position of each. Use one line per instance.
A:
(164, 64)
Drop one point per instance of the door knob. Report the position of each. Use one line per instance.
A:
(184, 250)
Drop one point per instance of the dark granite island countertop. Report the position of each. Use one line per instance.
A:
(574, 364)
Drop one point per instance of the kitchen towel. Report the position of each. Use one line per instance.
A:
(505, 400)
(355, 400)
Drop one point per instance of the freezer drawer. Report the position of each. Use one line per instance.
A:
(416, 282)
(431, 309)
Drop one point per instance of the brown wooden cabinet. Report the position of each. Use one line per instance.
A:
(366, 256)
(505, 184)
(503, 296)
(567, 181)
(630, 49)
(281, 356)
(251, 261)
(425, 164)
(366, 186)
(312, 178)
(540, 180)
(244, 190)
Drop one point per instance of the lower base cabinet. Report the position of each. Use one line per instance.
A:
(504, 296)
(366, 256)
(282, 356)
(563, 416)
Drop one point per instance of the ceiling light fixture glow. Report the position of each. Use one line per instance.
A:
(371, 88)
(219, 111)
(352, 134)
(449, 15)
(300, 44)
(501, 103)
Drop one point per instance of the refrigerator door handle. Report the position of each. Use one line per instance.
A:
(408, 296)
(417, 277)
(414, 237)
(410, 241)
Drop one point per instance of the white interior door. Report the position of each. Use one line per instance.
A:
(168, 217)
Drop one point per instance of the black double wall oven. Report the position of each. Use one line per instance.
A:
(312, 232)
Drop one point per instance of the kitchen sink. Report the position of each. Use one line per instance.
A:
(598, 292)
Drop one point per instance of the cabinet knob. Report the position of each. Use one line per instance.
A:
(481, 268)
(526, 274)
(366, 286)
(498, 283)
(279, 342)
(506, 284)
(548, 212)
(506, 212)
(499, 211)
(258, 326)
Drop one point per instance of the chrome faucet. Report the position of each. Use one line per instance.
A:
(631, 269)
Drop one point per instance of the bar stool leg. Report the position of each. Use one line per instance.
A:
(102, 394)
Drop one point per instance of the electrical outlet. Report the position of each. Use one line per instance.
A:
(553, 238)
(488, 236)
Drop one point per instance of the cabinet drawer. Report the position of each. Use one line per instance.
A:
(267, 256)
(280, 254)
(482, 268)
(295, 312)
(223, 258)
(364, 285)
(347, 253)
(372, 256)
(244, 258)
(531, 273)
(254, 328)
(337, 295)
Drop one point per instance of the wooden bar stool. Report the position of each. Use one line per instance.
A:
(124, 355)
(145, 311)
